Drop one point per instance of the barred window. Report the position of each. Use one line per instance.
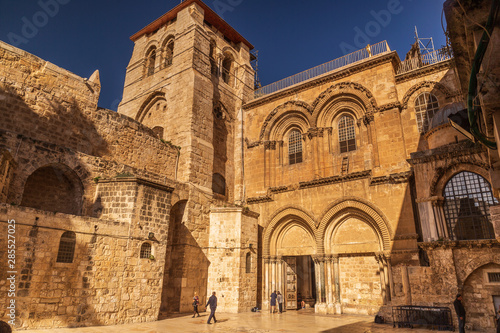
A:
(145, 251)
(493, 277)
(426, 105)
(347, 134)
(468, 198)
(295, 147)
(66, 247)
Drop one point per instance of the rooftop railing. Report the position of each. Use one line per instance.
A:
(427, 59)
(348, 59)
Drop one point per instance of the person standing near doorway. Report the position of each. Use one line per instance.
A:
(280, 302)
(459, 308)
(212, 301)
(196, 301)
(273, 301)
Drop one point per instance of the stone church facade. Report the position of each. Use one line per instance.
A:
(348, 190)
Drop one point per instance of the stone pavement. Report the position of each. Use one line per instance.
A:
(291, 321)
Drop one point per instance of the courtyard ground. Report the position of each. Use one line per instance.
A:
(291, 321)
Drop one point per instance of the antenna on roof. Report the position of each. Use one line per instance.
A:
(426, 45)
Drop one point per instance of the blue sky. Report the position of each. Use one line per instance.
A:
(291, 36)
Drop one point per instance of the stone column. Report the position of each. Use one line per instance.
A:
(279, 267)
(336, 273)
(329, 286)
(379, 258)
(273, 275)
(265, 301)
(388, 276)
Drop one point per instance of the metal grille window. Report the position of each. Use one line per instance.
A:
(295, 147)
(426, 105)
(347, 134)
(145, 251)
(66, 247)
(466, 208)
(494, 277)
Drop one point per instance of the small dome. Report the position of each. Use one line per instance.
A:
(441, 117)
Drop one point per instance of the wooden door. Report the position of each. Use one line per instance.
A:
(291, 283)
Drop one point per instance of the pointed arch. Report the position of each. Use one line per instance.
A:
(357, 92)
(148, 102)
(443, 174)
(300, 108)
(427, 86)
(338, 211)
(282, 219)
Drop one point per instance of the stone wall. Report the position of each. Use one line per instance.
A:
(107, 283)
(233, 236)
(49, 104)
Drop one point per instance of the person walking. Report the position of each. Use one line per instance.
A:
(196, 301)
(280, 302)
(459, 308)
(212, 301)
(273, 301)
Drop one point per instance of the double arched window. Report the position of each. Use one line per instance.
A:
(426, 105)
(294, 147)
(347, 134)
(466, 207)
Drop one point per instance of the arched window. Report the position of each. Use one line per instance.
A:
(347, 134)
(150, 61)
(169, 52)
(145, 251)
(218, 184)
(248, 262)
(213, 63)
(66, 247)
(228, 69)
(466, 207)
(426, 105)
(295, 147)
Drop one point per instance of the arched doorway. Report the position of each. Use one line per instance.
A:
(289, 263)
(356, 249)
(481, 296)
(54, 188)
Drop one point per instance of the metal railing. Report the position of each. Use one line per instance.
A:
(430, 58)
(433, 317)
(348, 59)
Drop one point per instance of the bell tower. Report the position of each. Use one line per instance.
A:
(188, 78)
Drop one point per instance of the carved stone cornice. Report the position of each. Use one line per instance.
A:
(393, 178)
(334, 76)
(260, 199)
(252, 144)
(460, 151)
(425, 70)
(335, 179)
(315, 132)
(389, 106)
(280, 189)
(405, 237)
(270, 145)
(449, 244)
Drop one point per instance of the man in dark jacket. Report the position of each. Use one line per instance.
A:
(212, 301)
(459, 308)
